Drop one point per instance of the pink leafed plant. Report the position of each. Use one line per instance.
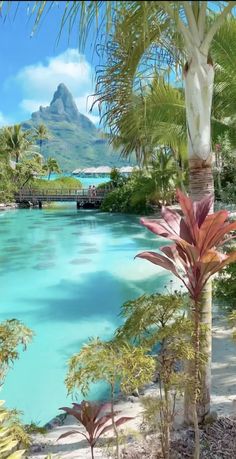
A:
(193, 257)
(95, 417)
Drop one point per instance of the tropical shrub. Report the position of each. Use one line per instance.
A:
(135, 195)
(116, 200)
(12, 434)
(7, 185)
(144, 316)
(116, 177)
(158, 322)
(225, 287)
(95, 417)
(12, 335)
(225, 169)
(26, 170)
(145, 188)
(192, 258)
(95, 362)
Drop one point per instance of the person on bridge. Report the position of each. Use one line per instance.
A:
(94, 191)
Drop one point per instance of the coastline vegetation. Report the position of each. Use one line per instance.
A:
(152, 123)
(21, 165)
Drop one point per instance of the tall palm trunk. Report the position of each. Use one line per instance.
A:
(199, 78)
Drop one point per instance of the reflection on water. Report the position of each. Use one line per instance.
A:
(65, 274)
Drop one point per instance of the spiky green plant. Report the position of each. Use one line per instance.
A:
(11, 434)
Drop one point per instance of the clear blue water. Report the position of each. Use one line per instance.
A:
(65, 273)
(86, 181)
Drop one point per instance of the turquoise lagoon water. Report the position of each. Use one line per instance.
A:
(86, 181)
(65, 273)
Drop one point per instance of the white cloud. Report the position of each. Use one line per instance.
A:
(94, 118)
(4, 121)
(38, 82)
(30, 105)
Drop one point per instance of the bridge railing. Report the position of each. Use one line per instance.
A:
(34, 192)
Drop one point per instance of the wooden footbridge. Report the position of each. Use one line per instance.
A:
(85, 198)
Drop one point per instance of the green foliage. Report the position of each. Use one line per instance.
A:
(7, 185)
(130, 197)
(158, 321)
(12, 434)
(225, 287)
(62, 183)
(225, 169)
(41, 134)
(150, 413)
(232, 323)
(26, 170)
(112, 362)
(12, 335)
(144, 188)
(33, 428)
(223, 53)
(145, 316)
(116, 178)
(50, 166)
(16, 142)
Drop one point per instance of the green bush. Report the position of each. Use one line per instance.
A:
(7, 185)
(105, 185)
(225, 287)
(127, 198)
(225, 170)
(137, 194)
(64, 183)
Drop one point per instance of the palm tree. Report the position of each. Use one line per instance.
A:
(224, 101)
(41, 134)
(50, 166)
(158, 181)
(143, 30)
(155, 117)
(134, 35)
(16, 142)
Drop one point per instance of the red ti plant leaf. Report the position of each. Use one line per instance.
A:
(159, 260)
(118, 423)
(71, 432)
(193, 257)
(95, 418)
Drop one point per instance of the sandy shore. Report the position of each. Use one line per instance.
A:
(223, 401)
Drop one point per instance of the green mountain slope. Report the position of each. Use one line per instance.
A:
(74, 140)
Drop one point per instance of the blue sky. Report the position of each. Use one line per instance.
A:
(31, 67)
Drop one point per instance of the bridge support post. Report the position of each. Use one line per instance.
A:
(77, 205)
(40, 205)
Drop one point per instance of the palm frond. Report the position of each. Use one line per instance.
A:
(224, 52)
